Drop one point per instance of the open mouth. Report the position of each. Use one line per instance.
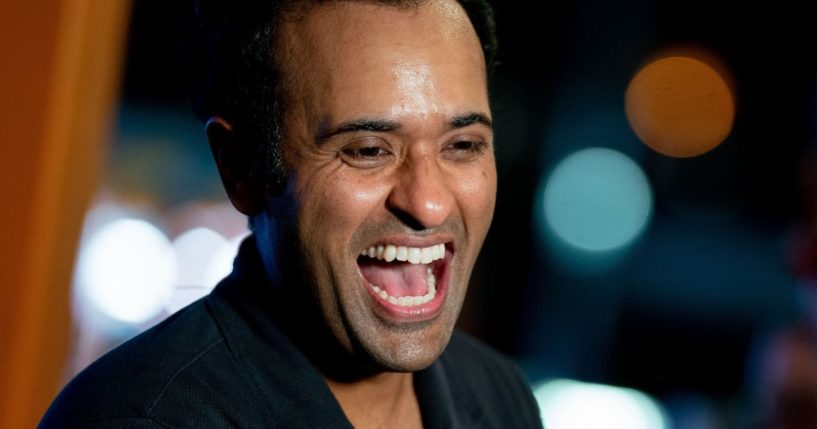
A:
(406, 279)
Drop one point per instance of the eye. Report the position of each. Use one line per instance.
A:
(465, 149)
(366, 153)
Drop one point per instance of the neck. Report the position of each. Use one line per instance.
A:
(386, 399)
(370, 397)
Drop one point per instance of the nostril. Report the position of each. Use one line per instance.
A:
(407, 219)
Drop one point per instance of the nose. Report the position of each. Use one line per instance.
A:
(421, 197)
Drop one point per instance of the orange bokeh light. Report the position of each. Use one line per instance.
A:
(680, 106)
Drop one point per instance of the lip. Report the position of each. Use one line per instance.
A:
(397, 314)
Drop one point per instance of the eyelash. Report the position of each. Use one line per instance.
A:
(477, 146)
(465, 150)
(357, 153)
(366, 153)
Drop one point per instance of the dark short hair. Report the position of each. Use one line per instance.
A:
(235, 72)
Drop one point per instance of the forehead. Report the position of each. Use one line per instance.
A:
(342, 24)
(374, 55)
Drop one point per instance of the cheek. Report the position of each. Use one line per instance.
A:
(478, 195)
(335, 205)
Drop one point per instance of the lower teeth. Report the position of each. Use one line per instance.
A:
(411, 301)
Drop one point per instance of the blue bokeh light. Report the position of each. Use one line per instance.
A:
(597, 200)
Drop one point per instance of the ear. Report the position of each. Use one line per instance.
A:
(235, 161)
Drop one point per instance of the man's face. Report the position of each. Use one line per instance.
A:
(388, 149)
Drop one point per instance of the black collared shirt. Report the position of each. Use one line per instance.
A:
(223, 362)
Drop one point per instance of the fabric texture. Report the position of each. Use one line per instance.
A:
(223, 362)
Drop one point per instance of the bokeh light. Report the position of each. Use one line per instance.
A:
(597, 200)
(680, 106)
(194, 250)
(221, 263)
(567, 404)
(126, 270)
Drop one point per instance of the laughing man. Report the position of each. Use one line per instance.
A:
(357, 138)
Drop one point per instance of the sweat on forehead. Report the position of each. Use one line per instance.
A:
(361, 29)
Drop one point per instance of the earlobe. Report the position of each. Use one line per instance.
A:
(235, 162)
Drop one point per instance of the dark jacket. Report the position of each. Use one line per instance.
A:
(223, 362)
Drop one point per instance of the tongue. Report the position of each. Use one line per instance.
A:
(396, 278)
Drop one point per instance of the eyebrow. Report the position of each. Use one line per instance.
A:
(386, 125)
(470, 119)
(376, 125)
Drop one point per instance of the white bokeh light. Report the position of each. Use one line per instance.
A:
(221, 263)
(126, 270)
(567, 404)
(194, 250)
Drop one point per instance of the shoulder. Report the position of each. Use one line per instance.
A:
(182, 357)
(493, 379)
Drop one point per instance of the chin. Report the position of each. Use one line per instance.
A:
(410, 361)
(407, 349)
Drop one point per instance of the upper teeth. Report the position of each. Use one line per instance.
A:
(414, 255)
